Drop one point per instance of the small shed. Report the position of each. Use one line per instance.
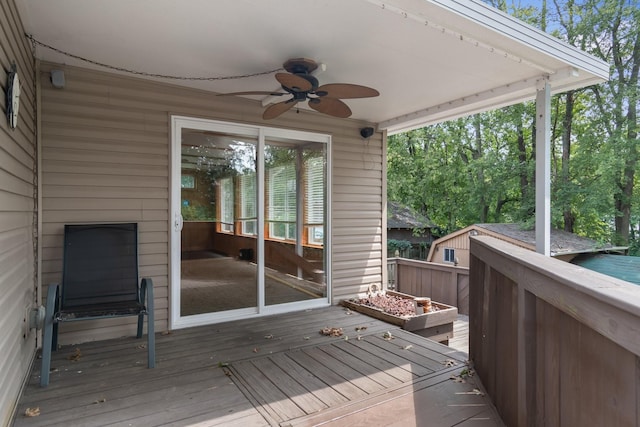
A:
(405, 224)
(454, 247)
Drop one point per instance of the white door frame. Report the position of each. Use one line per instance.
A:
(175, 221)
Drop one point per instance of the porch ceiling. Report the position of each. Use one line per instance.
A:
(431, 60)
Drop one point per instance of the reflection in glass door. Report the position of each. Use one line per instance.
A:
(294, 204)
(217, 265)
(250, 221)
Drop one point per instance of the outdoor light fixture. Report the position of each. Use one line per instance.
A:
(57, 79)
(366, 132)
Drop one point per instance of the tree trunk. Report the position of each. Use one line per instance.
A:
(567, 212)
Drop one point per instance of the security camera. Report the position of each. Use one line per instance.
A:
(366, 132)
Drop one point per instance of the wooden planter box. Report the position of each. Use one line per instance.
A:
(435, 325)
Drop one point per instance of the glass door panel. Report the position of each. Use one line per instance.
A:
(218, 205)
(294, 212)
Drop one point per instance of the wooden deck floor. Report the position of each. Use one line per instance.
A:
(277, 371)
(460, 340)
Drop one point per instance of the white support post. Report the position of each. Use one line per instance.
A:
(543, 170)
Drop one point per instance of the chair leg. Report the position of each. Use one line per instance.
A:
(140, 322)
(147, 286)
(47, 340)
(54, 343)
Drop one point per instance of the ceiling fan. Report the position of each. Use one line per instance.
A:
(302, 86)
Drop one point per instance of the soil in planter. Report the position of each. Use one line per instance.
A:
(392, 304)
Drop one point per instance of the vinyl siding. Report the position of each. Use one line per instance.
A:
(17, 203)
(106, 148)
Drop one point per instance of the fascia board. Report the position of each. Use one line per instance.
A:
(525, 34)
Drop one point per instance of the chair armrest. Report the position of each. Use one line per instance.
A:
(53, 294)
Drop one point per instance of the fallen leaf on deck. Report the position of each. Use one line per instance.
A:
(407, 347)
(477, 392)
(75, 356)
(268, 337)
(142, 346)
(467, 372)
(32, 412)
(348, 311)
(457, 379)
(449, 362)
(227, 372)
(361, 328)
(166, 333)
(223, 364)
(346, 337)
(387, 336)
(100, 400)
(331, 332)
(255, 350)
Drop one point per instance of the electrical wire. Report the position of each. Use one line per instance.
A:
(35, 42)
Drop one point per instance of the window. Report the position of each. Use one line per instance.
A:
(248, 212)
(188, 181)
(281, 211)
(314, 195)
(226, 205)
(449, 255)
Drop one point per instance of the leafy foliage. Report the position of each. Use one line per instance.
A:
(400, 245)
(481, 168)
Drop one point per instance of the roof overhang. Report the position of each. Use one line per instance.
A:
(431, 60)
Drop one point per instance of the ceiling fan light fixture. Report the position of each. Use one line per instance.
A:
(299, 83)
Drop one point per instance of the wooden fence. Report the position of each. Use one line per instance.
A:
(442, 283)
(554, 344)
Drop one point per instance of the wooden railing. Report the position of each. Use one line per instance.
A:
(443, 283)
(553, 344)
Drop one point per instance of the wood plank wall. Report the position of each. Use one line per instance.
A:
(553, 344)
(106, 144)
(440, 282)
(17, 218)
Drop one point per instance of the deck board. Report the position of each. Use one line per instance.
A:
(373, 359)
(326, 394)
(276, 370)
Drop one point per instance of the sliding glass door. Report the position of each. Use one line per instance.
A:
(249, 221)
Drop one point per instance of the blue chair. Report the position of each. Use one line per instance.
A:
(99, 280)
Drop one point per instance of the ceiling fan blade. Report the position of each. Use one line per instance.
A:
(293, 82)
(331, 106)
(254, 92)
(274, 110)
(346, 91)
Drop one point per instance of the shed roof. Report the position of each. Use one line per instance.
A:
(562, 242)
(399, 216)
(618, 266)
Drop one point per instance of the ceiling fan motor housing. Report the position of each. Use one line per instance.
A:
(300, 65)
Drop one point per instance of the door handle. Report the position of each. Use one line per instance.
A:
(177, 224)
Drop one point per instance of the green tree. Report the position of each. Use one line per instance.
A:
(482, 168)
(611, 29)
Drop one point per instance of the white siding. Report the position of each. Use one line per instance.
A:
(106, 142)
(17, 183)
